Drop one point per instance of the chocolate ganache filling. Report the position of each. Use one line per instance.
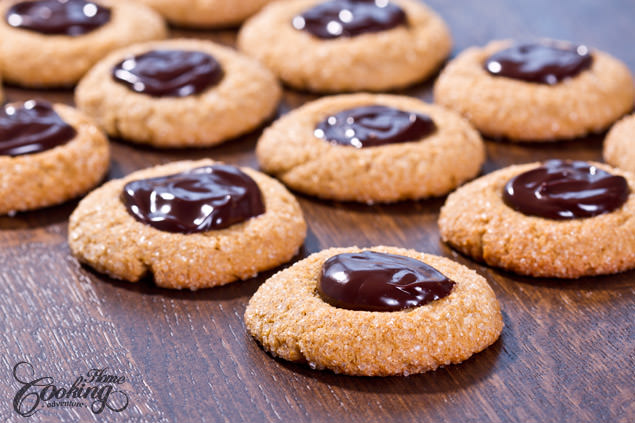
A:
(169, 73)
(374, 281)
(372, 126)
(32, 127)
(200, 200)
(349, 18)
(58, 17)
(562, 190)
(539, 62)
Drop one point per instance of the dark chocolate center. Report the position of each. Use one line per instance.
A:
(349, 18)
(58, 17)
(372, 126)
(566, 190)
(200, 200)
(169, 73)
(540, 62)
(31, 127)
(373, 281)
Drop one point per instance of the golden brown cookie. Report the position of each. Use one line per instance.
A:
(289, 319)
(521, 110)
(376, 61)
(104, 235)
(243, 96)
(619, 146)
(35, 59)
(478, 222)
(429, 166)
(206, 13)
(54, 174)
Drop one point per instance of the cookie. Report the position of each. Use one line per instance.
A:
(371, 148)
(206, 13)
(557, 219)
(346, 45)
(191, 224)
(413, 313)
(52, 43)
(178, 93)
(542, 91)
(48, 155)
(619, 145)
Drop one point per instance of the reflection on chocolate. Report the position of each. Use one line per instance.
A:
(373, 281)
(539, 62)
(566, 190)
(58, 17)
(200, 200)
(31, 127)
(372, 126)
(169, 73)
(349, 18)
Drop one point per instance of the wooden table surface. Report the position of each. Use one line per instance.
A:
(566, 353)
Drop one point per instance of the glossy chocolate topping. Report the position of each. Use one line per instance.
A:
(349, 18)
(372, 126)
(566, 190)
(200, 200)
(58, 17)
(541, 63)
(31, 127)
(375, 281)
(169, 73)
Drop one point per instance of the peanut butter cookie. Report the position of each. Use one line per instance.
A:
(178, 93)
(347, 45)
(48, 155)
(371, 148)
(413, 312)
(52, 43)
(542, 91)
(190, 224)
(561, 219)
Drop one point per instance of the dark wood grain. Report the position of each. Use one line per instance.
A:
(566, 353)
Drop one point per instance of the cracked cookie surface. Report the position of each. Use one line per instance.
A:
(524, 111)
(375, 61)
(51, 177)
(619, 145)
(290, 320)
(477, 222)
(246, 96)
(438, 163)
(32, 59)
(105, 236)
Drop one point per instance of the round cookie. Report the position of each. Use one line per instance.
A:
(54, 175)
(289, 319)
(476, 221)
(529, 111)
(34, 59)
(432, 166)
(376, 61)
(206, 13)
(104, 235)
(619, 145)
(246, 95)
